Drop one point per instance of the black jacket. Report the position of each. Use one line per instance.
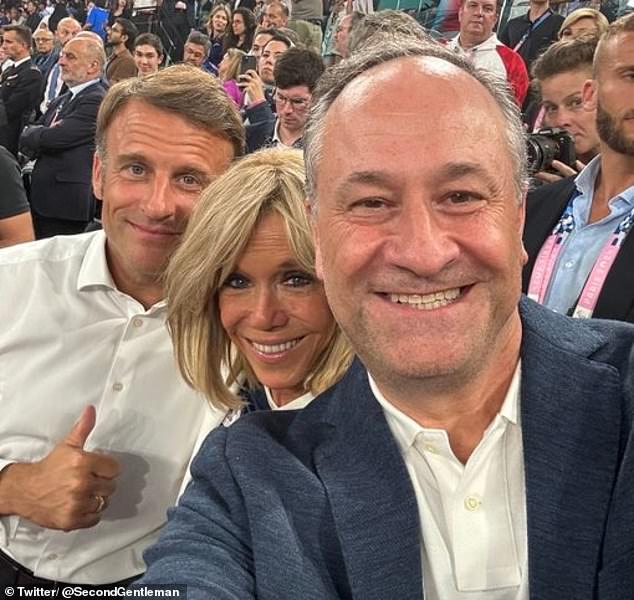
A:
(20, 90)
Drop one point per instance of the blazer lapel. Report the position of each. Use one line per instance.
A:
(570, 427)
(371, 496)
(616, 298)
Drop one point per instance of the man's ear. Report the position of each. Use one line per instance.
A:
(97, 171)
(589, 94)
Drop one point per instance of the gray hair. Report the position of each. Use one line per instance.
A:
(382, 25)
(335, 80)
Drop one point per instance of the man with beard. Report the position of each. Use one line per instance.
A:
(121, 63)
(580, 253)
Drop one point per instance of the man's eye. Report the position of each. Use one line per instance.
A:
(461, 198)
(136, 170)
(371, 203)
(191, 180)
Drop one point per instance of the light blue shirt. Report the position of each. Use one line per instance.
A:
(582, 247)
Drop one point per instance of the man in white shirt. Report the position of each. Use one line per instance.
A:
(97, 426)
(477, 41)
(67, 29)
(479, 448)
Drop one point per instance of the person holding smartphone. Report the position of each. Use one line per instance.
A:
(296, 74)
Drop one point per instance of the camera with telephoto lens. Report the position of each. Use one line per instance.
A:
(547, 145)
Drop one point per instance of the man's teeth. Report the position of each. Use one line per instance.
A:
(275, 348)
(427, 301)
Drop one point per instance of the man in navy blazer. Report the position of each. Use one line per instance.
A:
(481, 447)
(62, 143)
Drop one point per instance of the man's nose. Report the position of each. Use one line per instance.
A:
(422, 241)
(159, 201)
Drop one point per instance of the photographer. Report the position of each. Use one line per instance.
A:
(559, 75)
(576, 232)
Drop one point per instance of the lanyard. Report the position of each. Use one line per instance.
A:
(534, 25)
(549, 253)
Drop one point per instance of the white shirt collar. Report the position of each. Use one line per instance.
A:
(17, 63)
(406, 430)
(296, 404)
(94, 271)
(81, 86)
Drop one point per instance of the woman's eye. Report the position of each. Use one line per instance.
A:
(236, 282)
(298, 280)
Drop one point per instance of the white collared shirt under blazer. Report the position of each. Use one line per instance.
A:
(472, 516)
(69, 338)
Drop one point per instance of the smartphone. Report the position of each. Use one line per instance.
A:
(247, 62)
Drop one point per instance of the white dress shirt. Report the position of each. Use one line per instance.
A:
(69, 338)
(472, 516)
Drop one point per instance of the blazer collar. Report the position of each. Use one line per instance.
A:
(371, 496)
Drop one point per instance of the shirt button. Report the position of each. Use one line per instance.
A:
(569, 264)
(52, 556)
(117, 387)
(137, 322)
(472, 503)
(431, 448)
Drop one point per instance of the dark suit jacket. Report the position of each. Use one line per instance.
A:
(20, 91)
(318, 504)
(61, 180)
(544, 207)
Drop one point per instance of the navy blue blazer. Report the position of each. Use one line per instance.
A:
(317, 504)
(63, 142)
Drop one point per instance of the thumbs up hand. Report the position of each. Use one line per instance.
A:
(68, 489)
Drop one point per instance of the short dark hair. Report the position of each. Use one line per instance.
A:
(298, 66)
(149, 39)
(22, 32)
(266, 31)
(200, 39)
(129, 29)
(565, 56)
(276, 36)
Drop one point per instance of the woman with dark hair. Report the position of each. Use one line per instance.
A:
(119, 9)
(242, 30)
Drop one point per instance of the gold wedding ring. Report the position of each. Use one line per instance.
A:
(101, 503)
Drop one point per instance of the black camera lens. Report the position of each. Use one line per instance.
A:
(541, 152)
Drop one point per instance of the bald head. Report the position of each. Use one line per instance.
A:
(67, 28)
(82, 59)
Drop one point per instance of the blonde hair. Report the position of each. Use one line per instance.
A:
(585, 13)
(218, 232)
(235, 55)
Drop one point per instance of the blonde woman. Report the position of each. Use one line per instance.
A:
(583, 21)
(228, 72)
(216, 28)
(248, 317)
